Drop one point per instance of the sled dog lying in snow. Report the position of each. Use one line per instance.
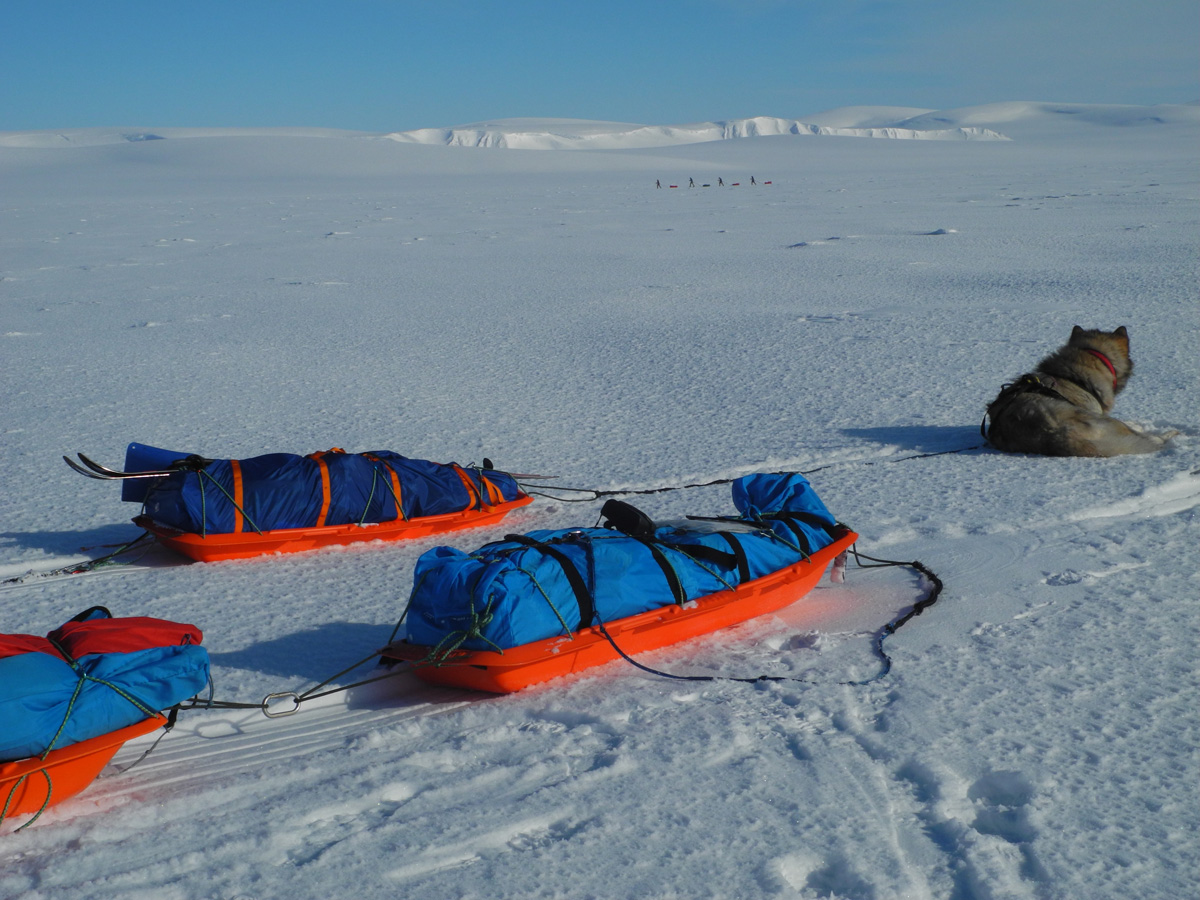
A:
(1061, 408)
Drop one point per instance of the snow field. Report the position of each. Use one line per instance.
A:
(238, 294)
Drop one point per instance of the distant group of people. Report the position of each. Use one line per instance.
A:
(720, 183)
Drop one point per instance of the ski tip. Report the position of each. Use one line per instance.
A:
(81, 470)
(95, 466)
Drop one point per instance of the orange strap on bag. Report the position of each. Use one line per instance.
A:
(472, 491)
(494, 494)
(326, 495)
(319, 458)
(238, 497)
(325, 491)
(395, 484)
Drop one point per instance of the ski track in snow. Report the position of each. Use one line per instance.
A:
(206, 745)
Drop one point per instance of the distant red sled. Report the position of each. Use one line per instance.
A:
(30, 785)
(246, 544)
(511, 670)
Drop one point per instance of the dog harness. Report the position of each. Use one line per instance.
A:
(1026, 384)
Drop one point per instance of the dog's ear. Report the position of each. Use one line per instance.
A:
(1076, 332)
(1121, 333)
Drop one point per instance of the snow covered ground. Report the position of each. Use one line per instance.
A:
(235, 292)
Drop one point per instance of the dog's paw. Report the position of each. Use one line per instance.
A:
(1163, 436)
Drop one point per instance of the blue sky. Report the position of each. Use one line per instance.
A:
(390, 65)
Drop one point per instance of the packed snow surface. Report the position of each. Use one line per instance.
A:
(849, 314)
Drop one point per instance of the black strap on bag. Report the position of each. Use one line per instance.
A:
(793, 518)
(587, 605)
(739, 555)
(631, 521)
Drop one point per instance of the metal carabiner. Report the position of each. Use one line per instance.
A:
(271, 714)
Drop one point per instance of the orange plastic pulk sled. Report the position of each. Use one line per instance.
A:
(519, 667)
(214, 547)
(30, 785)
(284, 503)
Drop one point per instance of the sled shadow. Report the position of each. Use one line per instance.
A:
(304, 659)
(921, 438)
(73, 547)
(72, 543)
(312, 655)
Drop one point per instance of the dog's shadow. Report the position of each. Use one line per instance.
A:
(922, 438)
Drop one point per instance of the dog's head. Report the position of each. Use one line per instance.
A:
(1112, 345)
(1083, 338)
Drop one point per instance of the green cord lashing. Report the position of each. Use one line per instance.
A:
(554, 609)
(203, 509)
(13, 792)
(387, 482)
(455, 639)
(701, 564)
(83, 678)
(204, 473)
(370, 496)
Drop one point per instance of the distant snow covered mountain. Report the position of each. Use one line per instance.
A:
(571, 134)
(1012, 120)
(970, 123)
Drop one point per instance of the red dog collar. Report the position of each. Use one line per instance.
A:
(1104, 359)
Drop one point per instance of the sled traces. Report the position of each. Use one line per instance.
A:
(1180, 493)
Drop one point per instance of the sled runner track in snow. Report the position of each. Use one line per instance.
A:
(30, 578)
(209, 745)
(108, 564)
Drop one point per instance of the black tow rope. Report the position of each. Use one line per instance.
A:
(935, 590)
(172, 716)
(888, 630)
(278, 704)
(273, 706)
(141, 542)
(596, 493)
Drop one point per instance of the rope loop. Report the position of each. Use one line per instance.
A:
(887, 631)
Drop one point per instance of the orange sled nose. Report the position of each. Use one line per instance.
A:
(30, 785)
